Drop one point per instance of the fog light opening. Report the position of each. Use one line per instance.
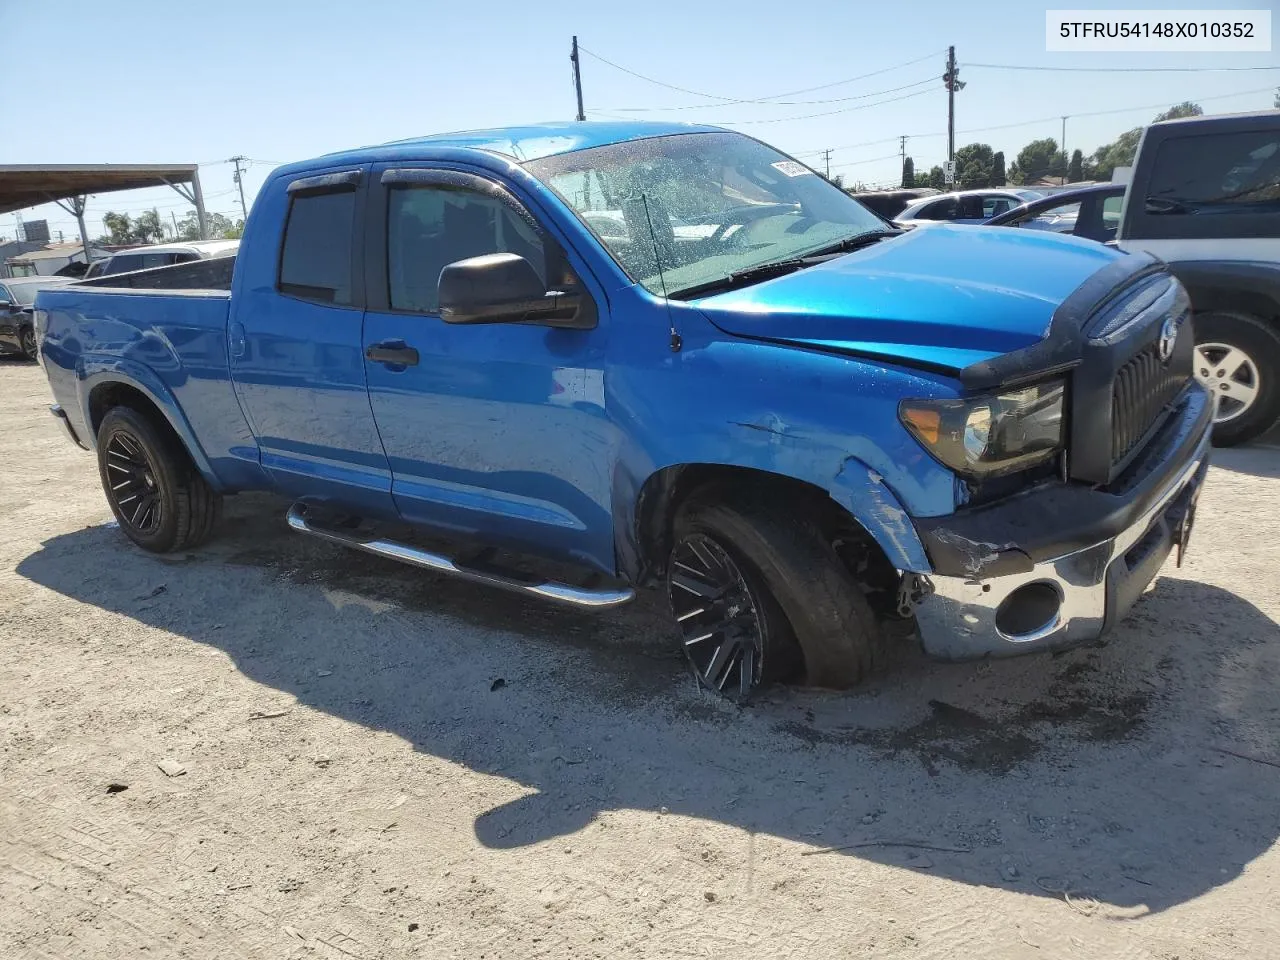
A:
(1029, 612)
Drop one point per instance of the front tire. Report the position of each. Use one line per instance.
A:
(761, 596)
(159, 499)
(27, 341)
(1238, 360)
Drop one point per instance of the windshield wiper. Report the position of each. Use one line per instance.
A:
(856, 242)
(1156, 206)
(776, 268)
(761, 271)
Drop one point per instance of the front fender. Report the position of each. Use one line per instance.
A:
(868, 499)
(94, 371)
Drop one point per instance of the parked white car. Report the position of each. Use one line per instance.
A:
(965, 206)
(160, 255)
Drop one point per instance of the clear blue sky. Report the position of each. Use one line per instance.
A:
(147, 82)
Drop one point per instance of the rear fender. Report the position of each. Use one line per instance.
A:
(94, 371)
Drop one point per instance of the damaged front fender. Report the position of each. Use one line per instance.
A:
(864, 493)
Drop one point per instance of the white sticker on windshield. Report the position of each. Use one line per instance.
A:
(790, 168)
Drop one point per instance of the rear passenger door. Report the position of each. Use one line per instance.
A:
(495, 431)
(295, 345)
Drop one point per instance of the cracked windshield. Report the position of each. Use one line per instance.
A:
(719, 203)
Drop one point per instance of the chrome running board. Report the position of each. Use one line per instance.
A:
(580, 597)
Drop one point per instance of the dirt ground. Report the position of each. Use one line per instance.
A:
(372, 762)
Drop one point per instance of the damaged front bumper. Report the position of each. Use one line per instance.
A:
(1060, 565)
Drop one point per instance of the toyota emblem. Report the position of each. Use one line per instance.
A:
(1168, 337)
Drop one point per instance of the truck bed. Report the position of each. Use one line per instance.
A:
(161, 333)
(212, 274)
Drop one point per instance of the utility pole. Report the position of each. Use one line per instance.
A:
(577, 77)
(952, 81)
(826, 159)
(1066, 160)
(238, 178)
(902, 158)
(174, 217)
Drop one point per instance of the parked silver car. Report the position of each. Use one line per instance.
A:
(965, 206)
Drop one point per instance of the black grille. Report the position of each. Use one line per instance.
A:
(1143, 387)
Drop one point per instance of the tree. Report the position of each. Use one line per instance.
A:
(119, 228)
(998, 176)
(233, 233)
(1276, 101)
(1119, 153)
(220, 227)
(1038, 159)
(1184, 109)
(146, 227)
(1075, 172)
(973, 165)
(908, 172)
(936, 178)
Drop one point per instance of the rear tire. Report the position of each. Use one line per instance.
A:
(158, 497)
(1238, 359)
(813, 619)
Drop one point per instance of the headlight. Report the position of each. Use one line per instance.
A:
(992, 435)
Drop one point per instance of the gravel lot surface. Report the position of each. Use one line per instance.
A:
(277, 748)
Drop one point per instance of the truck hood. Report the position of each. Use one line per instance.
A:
(943, 297)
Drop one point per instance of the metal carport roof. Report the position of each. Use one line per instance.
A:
(67, 185)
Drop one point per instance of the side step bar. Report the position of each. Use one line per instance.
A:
(579, 597)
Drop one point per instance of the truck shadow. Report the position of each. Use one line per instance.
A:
(1094, 774)
(1259, 460)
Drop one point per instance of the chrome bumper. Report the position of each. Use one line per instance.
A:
(1095, 586)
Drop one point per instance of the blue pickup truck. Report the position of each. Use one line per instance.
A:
(660, 355)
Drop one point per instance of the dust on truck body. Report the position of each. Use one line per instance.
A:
(661, 355)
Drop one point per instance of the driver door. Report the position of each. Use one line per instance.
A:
(496, 431)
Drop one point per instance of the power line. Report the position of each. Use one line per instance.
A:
(856, 163)
(1013, 66)
(828, 113)
(779, 103)
(759, 100)
(1056, 118)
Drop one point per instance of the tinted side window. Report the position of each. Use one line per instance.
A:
(939, 210)
(969, 208)
(123, 263)
(315, 261)
(994, 206)
(429, 228)
(1216, 174)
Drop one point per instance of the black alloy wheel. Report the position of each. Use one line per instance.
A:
(134, 491)
(719, 616)
(160, 500)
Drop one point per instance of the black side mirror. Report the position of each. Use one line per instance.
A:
(5, 306)
(504, 288)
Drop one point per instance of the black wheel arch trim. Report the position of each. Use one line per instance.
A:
(1217, 284)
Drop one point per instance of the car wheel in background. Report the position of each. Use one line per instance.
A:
(1238, 358)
